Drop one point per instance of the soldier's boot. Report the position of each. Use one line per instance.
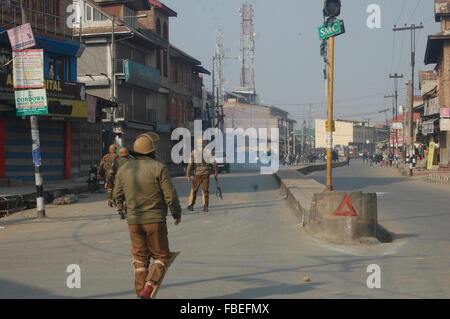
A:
(140, 275)
(154, 278)
(205, 208)
(190, 208)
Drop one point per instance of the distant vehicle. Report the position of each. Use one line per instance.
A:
(353, 151)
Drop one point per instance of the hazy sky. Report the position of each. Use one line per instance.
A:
(288, 65)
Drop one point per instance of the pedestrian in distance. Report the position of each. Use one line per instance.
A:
(146, 186)
(106, 171)
(201, 164)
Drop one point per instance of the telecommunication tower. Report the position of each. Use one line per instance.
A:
(247, 78)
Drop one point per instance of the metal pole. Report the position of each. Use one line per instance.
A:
(330, 122)
(40, 202)
(411, 104)
(412, 29)
(113, 75)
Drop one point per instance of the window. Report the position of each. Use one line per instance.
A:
(129, 18)
(158, 60)
(98, 16)
(58, 68)
(158, 26)
(88, 12)
(166, 64)
(166, 31)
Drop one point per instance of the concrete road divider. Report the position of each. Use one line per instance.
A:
(337, 217)
(343, 217)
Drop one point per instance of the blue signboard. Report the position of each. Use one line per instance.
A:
(163, 127)
(142, 75)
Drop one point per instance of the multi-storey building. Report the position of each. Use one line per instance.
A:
(152, 94)
(438, 52)
(70, 144)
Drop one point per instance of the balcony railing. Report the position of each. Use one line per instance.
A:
(127, 112)
(10, 16)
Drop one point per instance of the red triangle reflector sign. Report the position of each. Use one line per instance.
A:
(349, 211)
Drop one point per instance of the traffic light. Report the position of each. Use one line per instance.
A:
(332, 8)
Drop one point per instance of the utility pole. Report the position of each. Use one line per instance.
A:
(113, 74)
(413, 29)
(40, 202)
(387, 122)
(396, 76)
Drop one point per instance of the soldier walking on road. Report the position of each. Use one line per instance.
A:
(202, 171)
(106, 171)
(121, 160)
(145, 185)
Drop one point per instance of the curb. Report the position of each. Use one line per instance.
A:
(302, 197)
(15, 203)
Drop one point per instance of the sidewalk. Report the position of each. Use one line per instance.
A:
(17, 198)
(441, 175)
(22, 195)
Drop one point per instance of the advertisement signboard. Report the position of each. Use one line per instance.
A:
(21, 37)
(31, 102)
(445, 112)
(141, 75)
(28, 69)
(431, 155)
(444, 124)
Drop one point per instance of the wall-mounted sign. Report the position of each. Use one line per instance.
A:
(67, 108)
(141, 75)
(31, 102)
(21, 37)
(55, 88)
(445, 112)
(397, 126)
(28, 69)
(444, 124)
(163, 127)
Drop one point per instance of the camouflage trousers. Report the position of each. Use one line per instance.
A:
(149, 241)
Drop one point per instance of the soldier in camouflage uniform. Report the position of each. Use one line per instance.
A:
(106, 171)
(146, 186)
(121, 161)
(201, 171)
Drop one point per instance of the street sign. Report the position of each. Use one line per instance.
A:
(335, 28)
(350, 211)
(28, 69)
(31, 102)
(21, 37)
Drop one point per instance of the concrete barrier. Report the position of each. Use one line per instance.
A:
(338, 217)
(343, 217)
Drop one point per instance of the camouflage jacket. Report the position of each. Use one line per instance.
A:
(144, 184)
(108, 167)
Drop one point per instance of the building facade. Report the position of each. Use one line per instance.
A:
(438, 52)
(70, 144)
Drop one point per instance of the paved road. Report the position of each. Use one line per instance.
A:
(247, 246)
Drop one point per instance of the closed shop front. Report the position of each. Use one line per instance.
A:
(18, 161)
